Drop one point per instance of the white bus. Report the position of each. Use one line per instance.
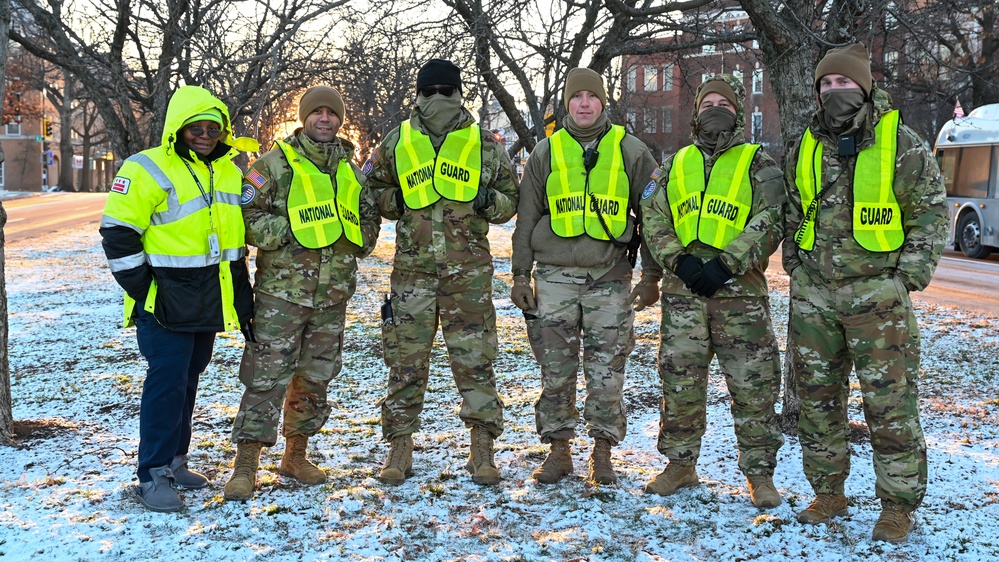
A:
(967, 150)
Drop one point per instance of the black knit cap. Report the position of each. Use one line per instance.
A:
(439, 71)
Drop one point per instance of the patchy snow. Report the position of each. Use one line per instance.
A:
(69, 496)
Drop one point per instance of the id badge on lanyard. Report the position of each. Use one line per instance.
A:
(214, 250)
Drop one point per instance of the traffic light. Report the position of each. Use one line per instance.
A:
(47, 125)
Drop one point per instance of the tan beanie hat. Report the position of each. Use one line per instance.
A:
(584, 79)
(851, 61)
(320, 96)
(716, 85)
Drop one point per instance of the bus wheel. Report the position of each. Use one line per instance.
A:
(970, 232)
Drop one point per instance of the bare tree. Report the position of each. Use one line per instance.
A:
(6, 410)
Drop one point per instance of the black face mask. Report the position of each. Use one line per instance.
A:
(840, 108)
(711, 123)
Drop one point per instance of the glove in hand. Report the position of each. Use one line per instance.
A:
(688, 269)
(714, 274)
(645, 293)
(483, 199)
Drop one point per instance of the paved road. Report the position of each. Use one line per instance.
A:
(48, 212)
(958, 282)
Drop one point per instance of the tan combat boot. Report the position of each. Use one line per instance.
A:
(557, 464)
(762, 491)
(294, 463)
(480, 458)
(894, 524)
(823, 508)
(672, 478)
(244, 471)
(601, 469)
(399, 463)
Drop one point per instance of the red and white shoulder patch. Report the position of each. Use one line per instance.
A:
(120, 185)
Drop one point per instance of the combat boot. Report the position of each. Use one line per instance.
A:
(894, 524)
(557, 464)
(244, 472)
(672, 478)
(601, 469)
(480, 458)
(823, 508)
(762, 490)
(184, 477)
(399, 463)
(294, 463)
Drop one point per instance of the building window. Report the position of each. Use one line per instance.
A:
(632, 79)
(705, 76)
(667, 119)
(3, 176)
(631, 119)
(14, 128)
(651, 78)
(668, 78)
(708, 49)
(758, 81)
(650, 122)
(737, 74)
(757, 128)
(891, 66)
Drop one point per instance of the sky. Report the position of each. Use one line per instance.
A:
(69, 496)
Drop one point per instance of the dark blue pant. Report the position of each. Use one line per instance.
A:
(176, 361)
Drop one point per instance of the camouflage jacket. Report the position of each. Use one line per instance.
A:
(286, 269)
(534, 241)
(918, 187)
(747, 255)
(447, 237)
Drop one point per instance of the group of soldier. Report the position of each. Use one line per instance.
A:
(859, 208)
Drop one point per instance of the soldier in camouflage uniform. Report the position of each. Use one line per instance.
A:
(716, 242)
(308, 214)
(577, 216)
(443, 180)
(866, 224)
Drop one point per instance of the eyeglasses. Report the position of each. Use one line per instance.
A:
(446, 91)
(213, 133)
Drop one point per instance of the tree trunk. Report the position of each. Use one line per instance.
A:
(6, 411)
(66, 181)
(791, 406)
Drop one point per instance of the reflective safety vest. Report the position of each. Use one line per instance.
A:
(179, 232)
(877, 217)
(320, 213)
(717, 213)
(427, 175)
(575, 196)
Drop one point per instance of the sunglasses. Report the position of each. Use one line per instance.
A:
(213, 133)
(446, 91)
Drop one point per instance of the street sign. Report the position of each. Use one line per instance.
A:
(39, 139)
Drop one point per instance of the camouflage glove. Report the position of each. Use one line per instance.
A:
(688, 269)
(714, 274)
(522, 294)
(483, 198)
(645, 293)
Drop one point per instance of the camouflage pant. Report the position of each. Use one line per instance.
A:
(463, 307)
(598, 315)
(739, 333)
(297, 354)
(866, 324)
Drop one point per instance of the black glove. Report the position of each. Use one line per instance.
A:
(249, 336)
(714, 274)
(400, 201)
(688, 269)
(483, 199)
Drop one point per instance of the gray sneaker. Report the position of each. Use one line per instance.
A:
(184, 477)
(158, 495)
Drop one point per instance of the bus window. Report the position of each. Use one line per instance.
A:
(972, 172)
(947, 158)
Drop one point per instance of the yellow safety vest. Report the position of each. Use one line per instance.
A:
(717, 213)
(318, 211)
(426, 175)
(575, 195)
(877, 217)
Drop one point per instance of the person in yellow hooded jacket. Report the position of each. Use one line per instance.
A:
(173, 234)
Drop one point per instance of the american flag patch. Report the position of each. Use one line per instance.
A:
(120, 185)
(657, 173)
(256, 179)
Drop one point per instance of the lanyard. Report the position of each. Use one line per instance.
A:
(209, 197)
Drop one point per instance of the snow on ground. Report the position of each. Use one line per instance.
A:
(67, 494)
